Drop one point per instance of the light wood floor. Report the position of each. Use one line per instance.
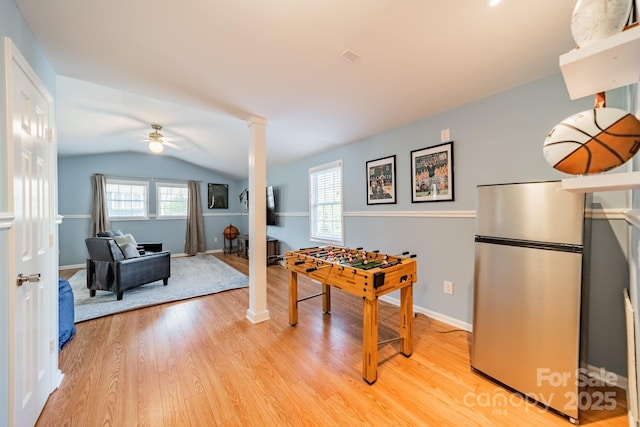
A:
(202, 363)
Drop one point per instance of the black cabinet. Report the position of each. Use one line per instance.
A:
(273, 246)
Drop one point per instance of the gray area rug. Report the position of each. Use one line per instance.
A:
(190, 277)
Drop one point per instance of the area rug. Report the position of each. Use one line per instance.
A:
(191, 277)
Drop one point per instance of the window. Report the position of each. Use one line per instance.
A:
(127, 199)
(172, 200)
(325, 204)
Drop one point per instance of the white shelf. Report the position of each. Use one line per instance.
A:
(604, 65)
(602, 182)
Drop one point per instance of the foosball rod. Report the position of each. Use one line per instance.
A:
(376, 262)
(319, 267)
(378, 255)
(311, 296)
(308, 258)
(351, 262)
(339, 251)
(396, 262)
(390, 340)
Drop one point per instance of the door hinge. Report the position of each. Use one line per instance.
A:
(51, 347)
(49, 135)
(50, 240)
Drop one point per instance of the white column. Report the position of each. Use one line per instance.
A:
(257, 311)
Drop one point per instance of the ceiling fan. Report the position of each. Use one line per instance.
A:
(157, 141)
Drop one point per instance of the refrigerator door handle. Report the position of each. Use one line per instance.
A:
(562, 247)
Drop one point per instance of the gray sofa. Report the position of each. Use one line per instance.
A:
(115, 269)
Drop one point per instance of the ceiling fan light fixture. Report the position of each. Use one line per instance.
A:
(156, 147)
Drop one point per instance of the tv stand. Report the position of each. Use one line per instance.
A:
(272, 248)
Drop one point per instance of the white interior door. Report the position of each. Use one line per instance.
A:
(32, 343)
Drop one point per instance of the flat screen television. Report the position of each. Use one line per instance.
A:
(271, 206)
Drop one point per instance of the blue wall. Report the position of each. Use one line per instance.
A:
(74, 201)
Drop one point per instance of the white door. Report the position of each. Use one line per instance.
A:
(31, 292)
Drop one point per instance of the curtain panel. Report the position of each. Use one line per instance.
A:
(99, 216)
(194, 242)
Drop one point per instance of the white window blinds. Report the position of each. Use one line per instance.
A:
(325, 205)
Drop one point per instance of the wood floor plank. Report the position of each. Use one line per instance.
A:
(200, 362)
(148, 390)
(175, 411)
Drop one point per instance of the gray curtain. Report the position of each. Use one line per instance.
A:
(99, 217)
(195, 224)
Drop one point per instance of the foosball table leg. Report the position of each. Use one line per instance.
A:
(326, 298)
(370, 341)
(406, 319)
(293, 298)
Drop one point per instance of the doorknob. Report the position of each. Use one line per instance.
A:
(30, 278)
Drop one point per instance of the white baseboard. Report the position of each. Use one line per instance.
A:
(605, 376)
(76, 266)
(71, 267)
(432, 314)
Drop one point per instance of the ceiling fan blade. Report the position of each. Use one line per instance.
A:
(172, 145)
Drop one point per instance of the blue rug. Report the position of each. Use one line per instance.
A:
(190, 277)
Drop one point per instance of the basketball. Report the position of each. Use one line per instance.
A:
(592, 141)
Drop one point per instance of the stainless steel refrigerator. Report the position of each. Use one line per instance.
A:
(531, 291)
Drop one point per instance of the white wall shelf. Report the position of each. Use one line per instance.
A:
(602, 182)
(604, 65)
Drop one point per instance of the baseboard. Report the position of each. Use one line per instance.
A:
(609, 378)
(432, 314)
(71, 267)
(59, 377)
(180, 255)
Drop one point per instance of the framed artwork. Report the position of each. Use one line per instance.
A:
(432, 173)
(381, 181)
(218, 196)
(244, 200)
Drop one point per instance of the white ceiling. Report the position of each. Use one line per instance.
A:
(201, 69)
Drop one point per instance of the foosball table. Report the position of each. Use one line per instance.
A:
(365, 274)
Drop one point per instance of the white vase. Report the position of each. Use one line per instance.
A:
(594, 20)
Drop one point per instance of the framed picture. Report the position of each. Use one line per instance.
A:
(432, 173)
(381, 181)
(218, 196)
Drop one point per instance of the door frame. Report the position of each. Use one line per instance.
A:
(11, 55)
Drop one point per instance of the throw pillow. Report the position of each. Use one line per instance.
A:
(129, 250)
(127, 238)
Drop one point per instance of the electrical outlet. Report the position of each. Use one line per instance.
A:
(215, 239)
(448, 287)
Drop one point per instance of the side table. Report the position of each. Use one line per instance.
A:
(273, 246)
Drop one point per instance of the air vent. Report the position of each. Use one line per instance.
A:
(349, 55)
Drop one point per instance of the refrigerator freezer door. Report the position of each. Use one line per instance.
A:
(539, 211)
(526, 325)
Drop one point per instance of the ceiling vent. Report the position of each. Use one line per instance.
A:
(349, 55)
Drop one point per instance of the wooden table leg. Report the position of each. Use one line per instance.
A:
(326, 298)
(406, 319)
(293, 298)
(370, 341)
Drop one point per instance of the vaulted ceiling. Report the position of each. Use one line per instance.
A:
(201, 69)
